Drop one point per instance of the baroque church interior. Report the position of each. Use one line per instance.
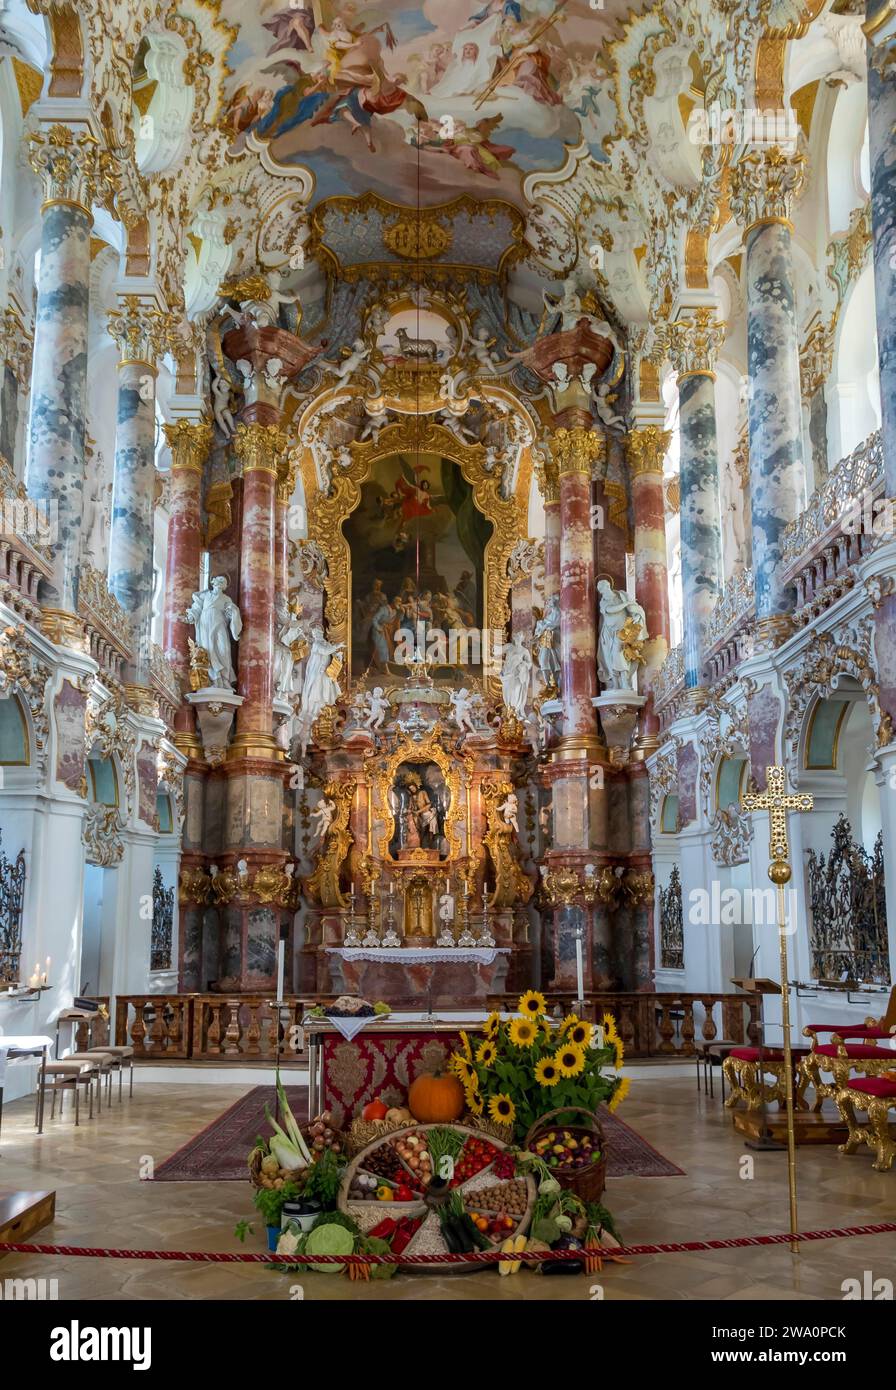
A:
(447, 647)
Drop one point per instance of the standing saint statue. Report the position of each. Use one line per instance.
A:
(320, 686)
(216, 619)
(547, 643)
(291, 645)
(623, 632)
(516, 674)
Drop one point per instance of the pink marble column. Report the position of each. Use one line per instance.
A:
(259, 445)
(190, 442)
(550, 491)
(646, 449)
(575, 450)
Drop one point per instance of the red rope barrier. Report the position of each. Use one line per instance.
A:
(473, 1257)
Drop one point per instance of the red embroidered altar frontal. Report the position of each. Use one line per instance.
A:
(381, 1065)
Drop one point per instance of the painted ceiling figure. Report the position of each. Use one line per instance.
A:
(352, 85)
(292, 28)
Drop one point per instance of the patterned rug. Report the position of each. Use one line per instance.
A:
(219, 1152)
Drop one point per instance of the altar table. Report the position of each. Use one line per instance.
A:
(380, 1061)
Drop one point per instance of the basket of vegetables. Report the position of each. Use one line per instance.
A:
(575, 1153)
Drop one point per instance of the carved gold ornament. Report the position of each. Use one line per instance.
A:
(195, 886)
(416, 239)
(766, 184)
(576, 450)
(200, 666)
(512, 887)
(632, 637)
(646, 449)
(693, 341)
(323, 885)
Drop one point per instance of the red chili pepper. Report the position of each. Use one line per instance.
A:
(385, 1229)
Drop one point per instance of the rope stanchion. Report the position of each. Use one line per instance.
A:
(484, 1257)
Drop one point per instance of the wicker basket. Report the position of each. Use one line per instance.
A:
(587, 1183)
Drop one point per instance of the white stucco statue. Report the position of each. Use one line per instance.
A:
(350, 364)
(623, 630)
(462, 704)
(509, 811)
(290, 646)
(221, 405)
(376, 707)
(516, 674)
(547, 642)
(319, 689)
(323, 813)
(216, 619)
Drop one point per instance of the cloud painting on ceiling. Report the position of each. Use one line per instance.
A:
(452, 96)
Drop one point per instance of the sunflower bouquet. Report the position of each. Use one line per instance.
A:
(528, 1065)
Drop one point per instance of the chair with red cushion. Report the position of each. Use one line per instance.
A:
(742, 1071)
(840, 1058)
(876, 1095)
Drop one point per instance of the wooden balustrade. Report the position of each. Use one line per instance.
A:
(206, 1027)
(94, 1032)
(660, 1024)
(234, 1028)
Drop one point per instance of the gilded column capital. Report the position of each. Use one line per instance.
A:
(260, 448)
(547, 476)
(692, 342)
(765, 185)
(72, 166)
(646, 449)
(576, 450)
(141, 329)
(190, 442)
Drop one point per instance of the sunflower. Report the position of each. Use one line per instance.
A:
(468, 1051)
(570, 1021)
(532, 1004)
(620, 1054)
(611, 1036)
(570, 1059)
(462, 1069)
(501, 1109)
(473, 1100)
(486, 1053)
(619, 1094)
(546, 1072)
(523, 1032)
(491, 1025)
(580, 1032)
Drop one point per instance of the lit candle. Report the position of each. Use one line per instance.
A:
(34, 980)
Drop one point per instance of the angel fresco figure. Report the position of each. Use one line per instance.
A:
(216, 619)
(349, 83)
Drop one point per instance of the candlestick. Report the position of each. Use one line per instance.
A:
(281, 961)
(580, 972)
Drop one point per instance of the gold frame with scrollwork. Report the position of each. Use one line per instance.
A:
(457, 772)
(412, 433)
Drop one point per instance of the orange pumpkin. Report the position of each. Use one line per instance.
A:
(437, 1099)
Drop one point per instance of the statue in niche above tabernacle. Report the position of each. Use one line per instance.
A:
(623, 632)
(216, 619)
(320, 687)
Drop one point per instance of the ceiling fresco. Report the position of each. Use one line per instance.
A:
(445, 97)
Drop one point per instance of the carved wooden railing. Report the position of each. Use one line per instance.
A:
(94, 1032)
(730, 633)
(108, 626)
(661, 1024)
(205, 1027)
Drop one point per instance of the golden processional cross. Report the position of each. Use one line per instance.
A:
(777, 801)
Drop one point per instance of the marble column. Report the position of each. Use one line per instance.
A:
(190, 442)
(575, 451)
(138, 327)
(646, 449)
(259, 447)
(880, 30)
(693, 341)
(68, 163)
(549, 486)
(765, 185)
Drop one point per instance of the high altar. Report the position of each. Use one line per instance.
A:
(413, 770)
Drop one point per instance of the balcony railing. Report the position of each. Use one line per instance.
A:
(670, 677)
(108, 625)
(827, 539)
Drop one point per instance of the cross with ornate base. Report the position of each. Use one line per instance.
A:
(777, 801)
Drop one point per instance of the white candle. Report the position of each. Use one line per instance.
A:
(580, 973)
(281, 953)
